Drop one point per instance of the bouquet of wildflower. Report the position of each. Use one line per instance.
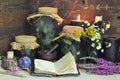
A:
(95, 34)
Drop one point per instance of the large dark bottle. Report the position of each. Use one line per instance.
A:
(111, 53)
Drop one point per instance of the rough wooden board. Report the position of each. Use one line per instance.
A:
(88, 9)
(5, 45)
(7, 32)
(14, 2)
(13, 21)
(77, 4)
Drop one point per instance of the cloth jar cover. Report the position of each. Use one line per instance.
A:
(47, 11)
(24, 42)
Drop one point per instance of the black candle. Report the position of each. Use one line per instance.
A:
(78, 22)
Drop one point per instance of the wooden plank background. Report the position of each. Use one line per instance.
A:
(13, 21)
(88, 9)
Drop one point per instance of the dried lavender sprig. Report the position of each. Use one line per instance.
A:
(105, 67)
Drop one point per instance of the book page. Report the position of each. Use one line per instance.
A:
(66, 65)
(43, 66)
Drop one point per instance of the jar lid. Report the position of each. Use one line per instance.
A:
(24, 41)
(74, 32)
(25, 38)
(47, 10)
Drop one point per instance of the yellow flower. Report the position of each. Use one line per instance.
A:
(90, 31)
(77, 34)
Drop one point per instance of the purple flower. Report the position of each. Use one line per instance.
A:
(24, 62)
(15, 63)
(105, 67)
(13, 68)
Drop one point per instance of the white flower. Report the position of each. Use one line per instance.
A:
(98, 35)
(102, 50)
(86, 22)
(97, 41)
(93, 44)
(109, 44)
(98, 18)
(99, 46)
(103, 31)
(78, 53)
(93, 38)
(94, 26)
(107, 26)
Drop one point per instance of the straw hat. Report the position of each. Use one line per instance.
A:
(73, 32)
(47, 11)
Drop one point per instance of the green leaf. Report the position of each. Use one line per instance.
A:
(2, 57)
(67, 41)
(45, 30)
(51, 35)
